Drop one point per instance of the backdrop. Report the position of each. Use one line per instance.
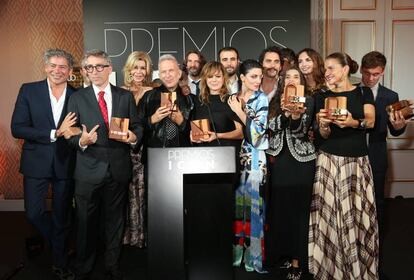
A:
(175, 27)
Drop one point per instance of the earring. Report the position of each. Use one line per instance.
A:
(130, 78)
(71, 78)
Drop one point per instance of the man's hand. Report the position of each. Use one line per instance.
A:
(67, 122)
(397, 120)
(132, 138)
(88, 138)
(177, 117)
(160, 114)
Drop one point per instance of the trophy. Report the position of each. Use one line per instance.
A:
(294, 97)
(336, 106)
(118, 128)
(402, 106)
(169, 99)
(199, 129)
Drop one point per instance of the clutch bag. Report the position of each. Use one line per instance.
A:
(199, 129)
(118, 128)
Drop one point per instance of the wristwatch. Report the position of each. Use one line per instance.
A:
(362, 123)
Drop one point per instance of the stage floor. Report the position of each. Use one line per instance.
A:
(398, 249)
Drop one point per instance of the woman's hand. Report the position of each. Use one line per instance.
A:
(349, 121)
(322, 119)
(235, 104)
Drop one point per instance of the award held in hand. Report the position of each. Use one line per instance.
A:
(199, 129)
(336, 106)
(169, 99)
(118, 128)
(402, 106)
(294, 97)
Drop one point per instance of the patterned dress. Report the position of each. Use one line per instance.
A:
(250, 208)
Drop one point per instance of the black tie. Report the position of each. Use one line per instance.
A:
(197, 87)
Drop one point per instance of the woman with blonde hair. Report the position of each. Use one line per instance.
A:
(138, 80)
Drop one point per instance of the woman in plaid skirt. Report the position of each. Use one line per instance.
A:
(343, 230)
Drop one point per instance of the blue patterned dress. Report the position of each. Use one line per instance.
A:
(250, 208)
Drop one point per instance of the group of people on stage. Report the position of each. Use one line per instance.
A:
(310, 187)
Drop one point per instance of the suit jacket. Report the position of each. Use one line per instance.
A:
(93, 163)
(32, 121)
(155, 133)
(378, 134)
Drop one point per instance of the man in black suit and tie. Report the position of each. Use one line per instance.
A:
(372, 70)
(40, 118)
(103, 166)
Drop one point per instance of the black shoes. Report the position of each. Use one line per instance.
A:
(63, 273)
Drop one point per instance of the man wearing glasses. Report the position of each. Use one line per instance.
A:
(103, 165)
(40, 118)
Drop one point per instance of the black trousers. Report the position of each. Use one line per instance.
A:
(106, 199)
(53, 226)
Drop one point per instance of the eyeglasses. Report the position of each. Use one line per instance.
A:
(98, 68)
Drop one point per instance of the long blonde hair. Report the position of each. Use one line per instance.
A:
(130, 64)
(209, 70)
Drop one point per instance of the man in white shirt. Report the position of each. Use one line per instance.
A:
(230, 59)
(103, 166)
(40, 118)
(372, 70)
(270, 58)
(194, 62)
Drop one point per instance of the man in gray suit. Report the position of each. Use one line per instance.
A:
(103, 166)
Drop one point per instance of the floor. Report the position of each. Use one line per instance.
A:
(16, 264)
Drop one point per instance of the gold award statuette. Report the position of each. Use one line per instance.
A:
(169, 99)
(294, 97)
(118, 128)
(403, 106)
(336, 106)
(199, 129)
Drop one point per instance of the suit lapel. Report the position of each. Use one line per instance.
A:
(115, 101)
(69, 91)
(45, 99)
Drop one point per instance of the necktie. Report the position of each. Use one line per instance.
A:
(102, 106)
(197, 87)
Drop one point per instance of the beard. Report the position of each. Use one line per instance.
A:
(193, 71)
(231, 71)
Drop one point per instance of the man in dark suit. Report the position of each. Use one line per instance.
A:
(372, 70)
(40, 118)
(103, 166)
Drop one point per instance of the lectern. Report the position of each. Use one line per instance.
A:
(190, 210)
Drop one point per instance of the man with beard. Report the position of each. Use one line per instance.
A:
(194, 62)
(229, 58)
(270, 59)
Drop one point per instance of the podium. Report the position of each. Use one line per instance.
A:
(190, 213)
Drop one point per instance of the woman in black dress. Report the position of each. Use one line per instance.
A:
(211, 104)
(292, 166)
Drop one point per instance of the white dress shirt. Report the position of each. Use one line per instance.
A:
(57, 109)
(192, 85)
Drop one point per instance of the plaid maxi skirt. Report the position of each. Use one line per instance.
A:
(343, 229)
